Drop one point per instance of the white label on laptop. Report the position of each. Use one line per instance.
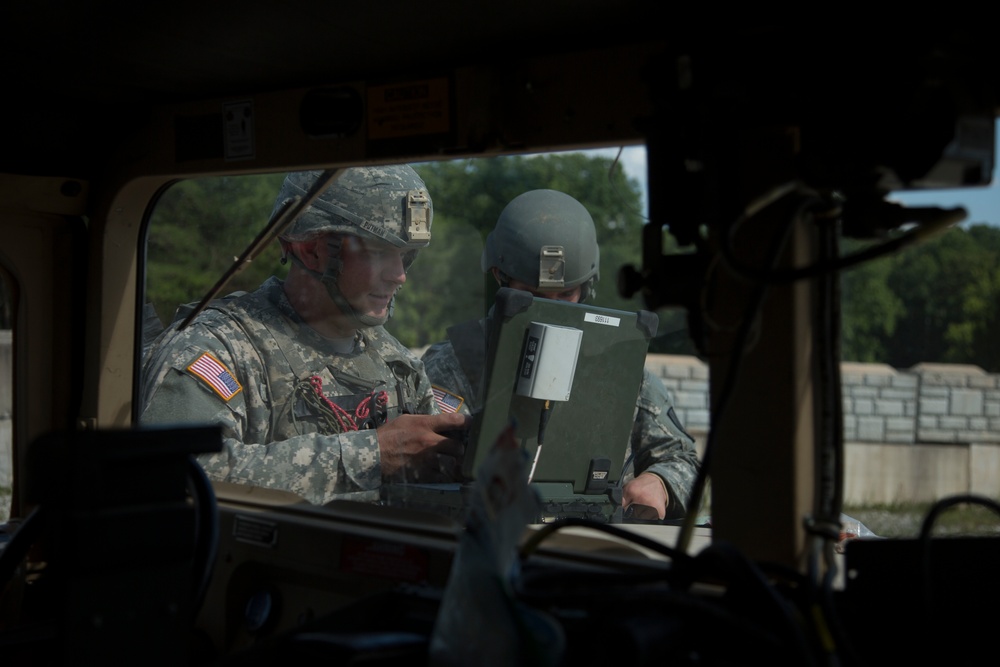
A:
(602, 319)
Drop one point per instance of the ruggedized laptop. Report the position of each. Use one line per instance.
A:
(567, 375)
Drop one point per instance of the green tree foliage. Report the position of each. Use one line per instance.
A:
(934, 280)
(975, 336)
(934, 302)
(871, 311)
(198, 228)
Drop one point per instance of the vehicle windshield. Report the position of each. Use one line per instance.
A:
(199, 227)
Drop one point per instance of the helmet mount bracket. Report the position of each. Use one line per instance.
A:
(418, 221)
(551, 266)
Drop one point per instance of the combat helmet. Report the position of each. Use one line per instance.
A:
(386, 203)
(546, 239)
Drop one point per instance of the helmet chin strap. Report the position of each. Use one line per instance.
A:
(329, 279)
(360, 321)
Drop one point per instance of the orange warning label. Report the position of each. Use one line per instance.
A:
(408, 109)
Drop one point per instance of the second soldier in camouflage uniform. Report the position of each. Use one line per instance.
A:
(665, 459)
(313, 394)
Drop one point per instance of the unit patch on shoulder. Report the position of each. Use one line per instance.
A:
(447, 401)
(215, 375)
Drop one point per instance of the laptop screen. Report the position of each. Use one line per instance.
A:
(567, 374)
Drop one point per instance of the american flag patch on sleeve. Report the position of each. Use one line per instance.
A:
(215, 375)
(447, 401)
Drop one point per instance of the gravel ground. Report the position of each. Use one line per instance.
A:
(888, 523)
(907, 521)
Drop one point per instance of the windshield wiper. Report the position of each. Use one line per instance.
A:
(278, 223)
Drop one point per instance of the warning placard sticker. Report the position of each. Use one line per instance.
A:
(239, 123)
(408, 109)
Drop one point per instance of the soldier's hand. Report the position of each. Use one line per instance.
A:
(646, 489)
(423, 448)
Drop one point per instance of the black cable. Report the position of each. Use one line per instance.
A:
(773, 620)
(649, 624)
(543, 421)
(830, 446)
(536, 538)
(946, 503)
(937, 221)
(206, 533)
(754, 304)
(824, 526)
(742, 574)
(827, 303)
(925, 540)
(629, 462)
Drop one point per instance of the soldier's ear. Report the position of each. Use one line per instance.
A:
(311, 253)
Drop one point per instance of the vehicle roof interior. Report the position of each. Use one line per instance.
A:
(76, 73)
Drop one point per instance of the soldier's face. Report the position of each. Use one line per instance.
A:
(571, 294)
(372, 272)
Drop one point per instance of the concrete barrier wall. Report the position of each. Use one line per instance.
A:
(930, 403)
(911, 435)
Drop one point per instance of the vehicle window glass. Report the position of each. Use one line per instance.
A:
(199, 226)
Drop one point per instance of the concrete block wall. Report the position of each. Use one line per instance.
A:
(686, 378)
(880, 404)
(913, 435)
(929, 403)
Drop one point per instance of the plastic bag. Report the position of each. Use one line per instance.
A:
(480, 622)
(852, 529)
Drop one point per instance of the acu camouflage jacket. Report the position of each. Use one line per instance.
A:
(296, 414)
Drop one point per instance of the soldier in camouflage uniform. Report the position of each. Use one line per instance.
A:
(313, 394)
(665, 460)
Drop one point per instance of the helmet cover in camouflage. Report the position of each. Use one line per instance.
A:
(546, 239)
(385, 203)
